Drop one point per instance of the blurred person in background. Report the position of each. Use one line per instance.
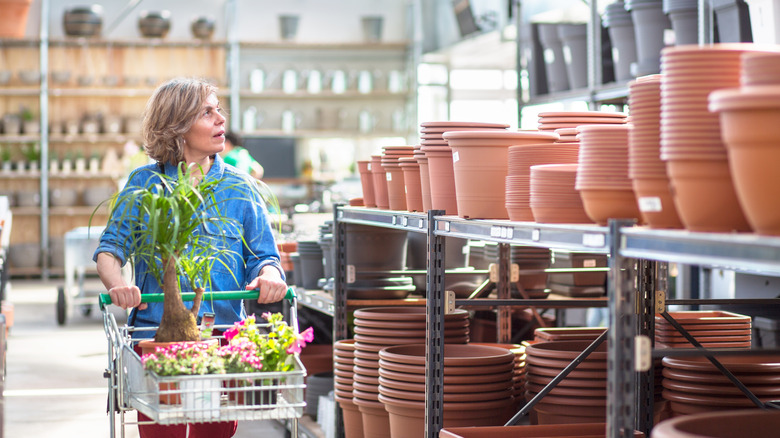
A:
(239, 157)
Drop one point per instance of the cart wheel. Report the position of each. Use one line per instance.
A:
(61, 306)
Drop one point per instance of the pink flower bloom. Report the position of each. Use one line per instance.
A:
(308, 334)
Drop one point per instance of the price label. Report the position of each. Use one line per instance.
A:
(421, 225)
(650, 204)
(394, 220)
(589, 263)
(536, 235)
(404, 221)
(389, 176)
(350, 274)
(446, 226)
(495, 231)
(455, 157)
(593, 240)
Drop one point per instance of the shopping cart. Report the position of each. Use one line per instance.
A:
(202, 398)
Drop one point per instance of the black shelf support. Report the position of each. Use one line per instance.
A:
(434, 336)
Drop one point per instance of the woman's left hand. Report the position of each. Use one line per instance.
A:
(270, 284)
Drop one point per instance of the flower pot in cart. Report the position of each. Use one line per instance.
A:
(252, 391)
(200, 398)
(169, 390)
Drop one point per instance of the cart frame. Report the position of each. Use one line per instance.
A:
(196, 398)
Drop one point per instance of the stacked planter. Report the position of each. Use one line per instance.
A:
(478, 386)
(367, 183)
(412, 183)
(581, 397)
(553, 197)
(371, 250)
(480, 168)
(312, 269)
(645, 168)
(394, 175)
(691, 145)
(711, 329)
(379, 178)
(440, 158)
(555, 64)
(425, 178)
(752, 423)
(602, 173)
(343, 363)
(528, 259)
(574, 40)
(554, 120)
(378, 328)
(618, 22)
(748, 116)
(578, 284)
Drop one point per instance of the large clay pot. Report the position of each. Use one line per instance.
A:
(602, 205)
(353, 419)
(656, 203)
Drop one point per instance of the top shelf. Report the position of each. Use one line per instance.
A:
(749, 253)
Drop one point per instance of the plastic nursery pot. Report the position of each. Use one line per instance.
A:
(656, 203)
(746, 117)
(704, 195)
(380, 183)
(602, 205)
(753, 423)
(441, 177)
(367, 183)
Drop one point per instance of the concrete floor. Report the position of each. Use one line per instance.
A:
(54, 384)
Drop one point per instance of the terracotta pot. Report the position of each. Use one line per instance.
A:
(353, 419)
(593, 430)
(753, 159)
(425, 181)
(454, 355)
(367, 184)
(487, 378)
(454, 371)
(404, 314)
(413, 185)
(376, 421)
(602, 205)
(442, 179)
(407, 418)
(656, 203)
(396, 188)
(752, 423)
(380, 182)
(705, 196)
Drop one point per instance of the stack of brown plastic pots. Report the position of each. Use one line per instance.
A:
(441, 172)
(480, 165)
(478, 386)
(343, 363)
(748, 116)
(752, 423)
(551, 121)
(394, 175)
(518, 179)
(425, 179)
(380, 327)
(691, 144)
(645, 167)
(581, 397)
(553, 198)
(602, 174)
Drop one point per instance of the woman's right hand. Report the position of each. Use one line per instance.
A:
(126, 297)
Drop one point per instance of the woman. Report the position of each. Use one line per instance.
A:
(183, 128)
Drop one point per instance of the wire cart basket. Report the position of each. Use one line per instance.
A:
(198, 398)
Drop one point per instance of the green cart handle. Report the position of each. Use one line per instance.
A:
(105, 299)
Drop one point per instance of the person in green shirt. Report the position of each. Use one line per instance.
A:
(239, 157)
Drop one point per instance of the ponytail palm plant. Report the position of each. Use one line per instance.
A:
(166, 221)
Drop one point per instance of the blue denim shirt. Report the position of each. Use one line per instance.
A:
(241, 264)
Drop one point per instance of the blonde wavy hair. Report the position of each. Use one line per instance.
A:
(171, 111)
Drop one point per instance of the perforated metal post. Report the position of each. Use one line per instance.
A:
(434, 335)
(340, 330)
(621, 377)
(648, 284)
(503, 288)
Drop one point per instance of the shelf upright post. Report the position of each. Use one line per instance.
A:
(44, 117)
(504, 313)
(594, 52)
(621, 377)
(434, 333)
(231, 16)
(649, 283)
(339, 296)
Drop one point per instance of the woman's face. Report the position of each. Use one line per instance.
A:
(207, 135)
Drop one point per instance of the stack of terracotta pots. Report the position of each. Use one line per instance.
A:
(748, 116)
(381, 327)
(548, 334)
(532, 262)
(440, 160)
(367, 183)
(412, 187)
(567, 135)
(518, 379)
(710, 328)
(425, 179)
(753, 423)
(693, 385)
(602, 174)
(691, 145)
(553, 198)
(394, 175)
(480, 168)
(645, 167)
(379, 177)
(551, 121)
(343, 363)
(581, 397)
(478, 386)
(518, 179)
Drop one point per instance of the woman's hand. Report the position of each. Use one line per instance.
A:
(270, 284)
(126, 297)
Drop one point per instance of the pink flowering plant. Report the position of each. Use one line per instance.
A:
(274, 348)
(184, 358)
